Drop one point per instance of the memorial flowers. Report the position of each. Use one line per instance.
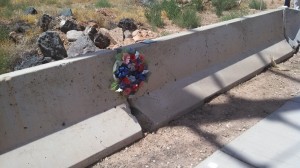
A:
(129, 72)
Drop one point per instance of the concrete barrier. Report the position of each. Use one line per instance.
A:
(63, 114)
(40, 103)
(187, 68)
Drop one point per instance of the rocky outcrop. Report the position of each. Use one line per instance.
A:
(51, 45)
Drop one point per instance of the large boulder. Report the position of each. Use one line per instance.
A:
(67, 25)
(51, 45)
(82, 45)
(127, 24)
(73, 35)
(101, 41)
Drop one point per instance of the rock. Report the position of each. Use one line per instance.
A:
(128, 41)
(91, 32)
(106, 33)
(73, 35)
(101, 41)
(183, 1)
(21, 27)
(82, 45)
(44, 22)
(30, 59)
(116, 35)
(67, 25)
(127, 24)
(127, 34)
(66, 12)
(140, 35)
(51, 45)
(30, 11)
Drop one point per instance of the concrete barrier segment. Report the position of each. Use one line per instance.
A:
(292, 27)
(41, 100)
(78, 145)
(190, 67)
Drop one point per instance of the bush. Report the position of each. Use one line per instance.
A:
(188, 18)
(222, 5)
(103, 4)
(171, 8)
(257, 4)
(153, 15)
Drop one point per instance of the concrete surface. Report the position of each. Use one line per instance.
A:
(272, 143)
(190, 67)
(78, 145)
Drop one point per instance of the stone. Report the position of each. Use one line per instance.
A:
(127, 24)
(30, 11)
(67, 25)
(82, 45)
(66, 12)
(73, 35)
(105, 32)
(127, 34)
(51, 45)
(101, 41)
(90, 31)
(30, 59)
(44, 22)
(128, 41)
(21, 27)
(116, 35)
(140, 35)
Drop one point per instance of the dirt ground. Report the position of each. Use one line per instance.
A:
(188, 140)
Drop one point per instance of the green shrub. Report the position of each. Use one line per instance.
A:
(234, 14)
(198, 4)
(171, 8)
(153, 15)
(257, 4)
(188, 18)
(103, 4)
(223, 5)
(4, 3)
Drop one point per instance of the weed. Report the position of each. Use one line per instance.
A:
(257, 4)
(153, 14)
(234, 14)
(171, 8)
(222, 5)
(188, 18)
(103, 4)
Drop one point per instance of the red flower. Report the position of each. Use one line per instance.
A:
(127, 91)
(142, 58)
(132, 57)
(140, 68)
(126, 81)
(135, 87)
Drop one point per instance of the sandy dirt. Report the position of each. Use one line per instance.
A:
(188, 140)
